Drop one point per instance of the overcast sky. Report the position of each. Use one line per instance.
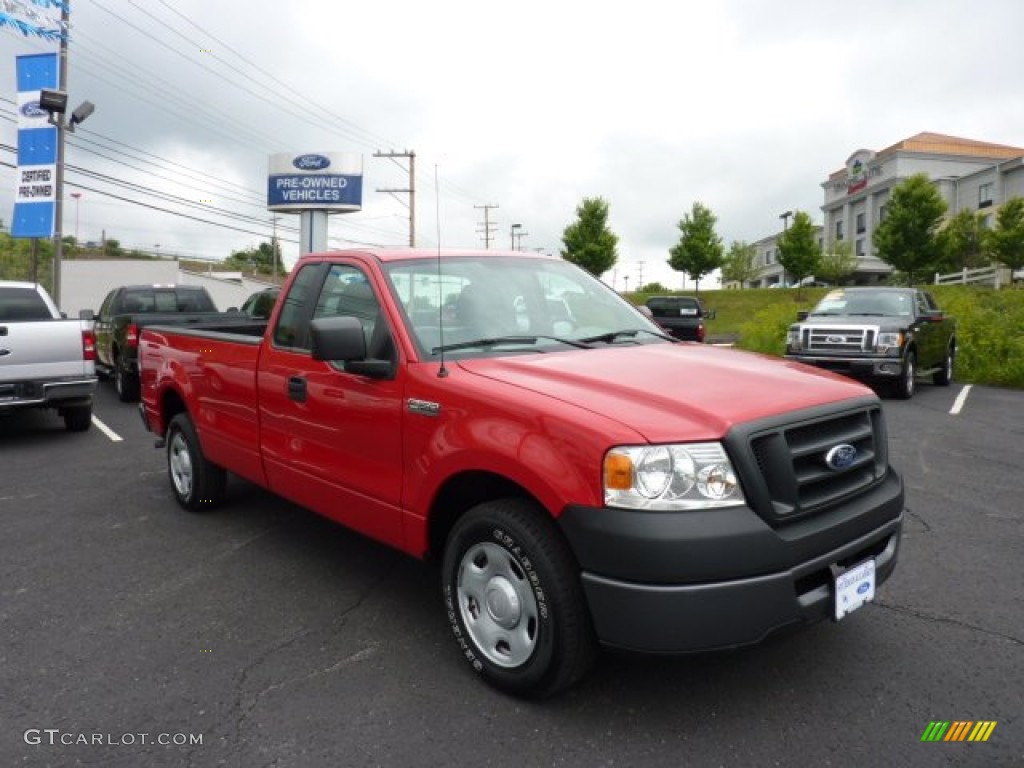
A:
(531, 106)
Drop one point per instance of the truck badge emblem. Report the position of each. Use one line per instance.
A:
(841, 456)
(835, 339)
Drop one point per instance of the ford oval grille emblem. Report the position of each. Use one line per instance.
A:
(31, 109)
(836, 339)
(841, 456)
(311, 162)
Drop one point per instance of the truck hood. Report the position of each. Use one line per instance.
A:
(666, 391)
(879, 320)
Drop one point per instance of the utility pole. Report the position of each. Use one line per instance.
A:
(641, 281)
(411, 190)
(273, 246)
(489, 228)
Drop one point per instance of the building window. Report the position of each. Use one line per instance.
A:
(839, 230)
(985, 194)
(860, 223)
(986, 221)
(860, 247)
(767, 257)
(881, 213)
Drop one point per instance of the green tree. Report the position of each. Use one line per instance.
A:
(961, 242)
(112, 248)
(799, 252)
(837, 263)
(740, 264)
(699, 251)
(258, 259)
(588, 241)
(654, 287)
(906, 239)
(1006, 241)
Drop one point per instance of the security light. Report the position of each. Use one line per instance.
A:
(54, 102)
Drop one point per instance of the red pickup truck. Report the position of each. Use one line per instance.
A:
(507, 415)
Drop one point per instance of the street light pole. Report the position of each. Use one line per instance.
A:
(785, 228)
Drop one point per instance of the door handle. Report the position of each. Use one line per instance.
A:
(297, 389)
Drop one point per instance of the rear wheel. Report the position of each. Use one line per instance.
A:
(944, 376)
(907, 381)
(198, 485)
(127, 383)
(514, 599)
(78, 418)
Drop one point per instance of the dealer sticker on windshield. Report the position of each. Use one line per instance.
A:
(854, 587)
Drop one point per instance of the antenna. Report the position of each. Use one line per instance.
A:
(442, 372)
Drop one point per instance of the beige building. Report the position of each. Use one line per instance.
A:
(970, 175)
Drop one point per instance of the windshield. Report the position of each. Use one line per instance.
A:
(867, 303)
(482, 305)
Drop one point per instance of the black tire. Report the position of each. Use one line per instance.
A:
(514, 599)
(904, 388)
(78, 418)
(944, 376)
(198, 485)
(126, 382)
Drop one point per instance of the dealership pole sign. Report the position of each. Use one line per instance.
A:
(326, 181)
(35, 195)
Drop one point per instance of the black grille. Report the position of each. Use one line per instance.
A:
(794, 473)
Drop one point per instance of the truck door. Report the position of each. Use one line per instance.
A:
(332, 440)
(929, 334)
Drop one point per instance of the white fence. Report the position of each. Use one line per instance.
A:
(995, 276)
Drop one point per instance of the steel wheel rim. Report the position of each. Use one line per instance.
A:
(179, 461)
(498, 606)
(909, 376)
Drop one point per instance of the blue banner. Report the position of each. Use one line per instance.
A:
(35, 194)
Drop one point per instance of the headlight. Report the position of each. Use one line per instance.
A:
(793, 338)
(670, 477)
(888, 340)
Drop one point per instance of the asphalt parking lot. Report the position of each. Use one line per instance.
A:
(279, 639)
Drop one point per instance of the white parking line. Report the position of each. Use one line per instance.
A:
(114, 437)
(960, 400)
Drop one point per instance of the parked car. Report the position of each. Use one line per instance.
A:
(580, 477)
(260, 304)
(681, 316)
(46, 361)
(884, 336)
(128, 309)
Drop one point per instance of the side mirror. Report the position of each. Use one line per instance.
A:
(337, 338)
(86, 314)
(710, 314)
(802, 314)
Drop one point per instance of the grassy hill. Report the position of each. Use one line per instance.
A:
(990, 325)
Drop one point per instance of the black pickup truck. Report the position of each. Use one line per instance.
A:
(128, 309)
(683, 317)
(880, 335)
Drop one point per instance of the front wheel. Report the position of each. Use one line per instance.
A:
(907, 381)
(514, 599)
(198, 485)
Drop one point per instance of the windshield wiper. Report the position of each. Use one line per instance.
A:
(611, 336)
(501, 340)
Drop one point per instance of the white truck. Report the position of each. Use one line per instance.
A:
(46, 360)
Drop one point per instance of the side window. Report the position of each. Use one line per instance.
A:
(292, 329)
(347, 291)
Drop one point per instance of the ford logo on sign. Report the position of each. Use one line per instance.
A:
(311, 162)
(841, 456)
(863, 588)
(31, 109)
